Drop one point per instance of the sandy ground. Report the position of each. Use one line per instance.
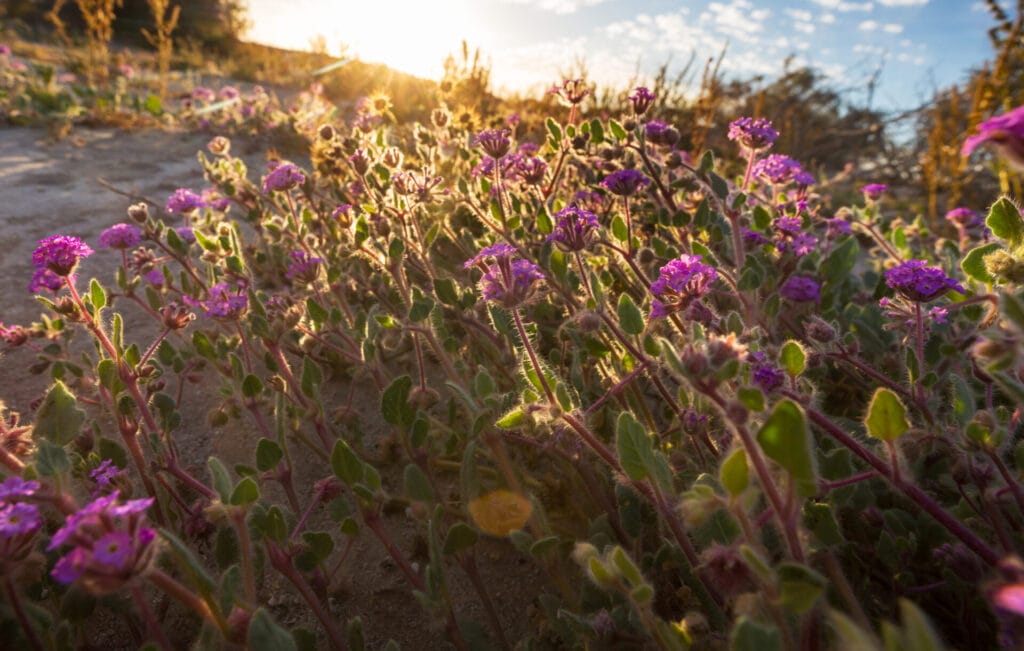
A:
(48, 188)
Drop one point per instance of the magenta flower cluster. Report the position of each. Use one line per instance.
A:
(874, 191)
(507, 281)
(919, 282)
(19, 521)
(778, 169)
(495, 143)
(641, 98)
(625, 183)
(184, 202)
(801, 289)
(303, 266)
(1005, 132)
(574, 229)
(753, 134)
(60, 254)
(224, 301)
(680, 282)
(282, 178)
(110, 544)
(121, 237)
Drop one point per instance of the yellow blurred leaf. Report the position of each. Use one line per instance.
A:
(500, 512)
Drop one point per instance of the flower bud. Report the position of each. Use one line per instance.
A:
(138, 212)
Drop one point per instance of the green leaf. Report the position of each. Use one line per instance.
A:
(785, 439)
(421, 308)
(251, 386)
(316, 312)
(417, 485)
(719, 186)
(973, 263)
(617, 130)
(203, 346)
(267, 635)
(630, 317)
(312, 378)
(633, 444)
(246, 492)
(59, 419)
(268, 454)
(748, 635)
(751, 397)
(553, 128)
(444, 289)
(1005, 221)
(51, 460)
(346, 465)
(619, 229)
(97, 295)
(799, 586)
(512, 419)
(394, 403)
(319, 543)
(887, 417)
(793, 358)
(734, 473)
(221, 479)
(460, 536)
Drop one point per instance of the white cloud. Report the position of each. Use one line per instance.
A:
(892, 28)
(842, 5)
(868, 26)
(558, 6)
(798, 14)
(827, 19)
(806, 28)
(737, 19)
(903, 3)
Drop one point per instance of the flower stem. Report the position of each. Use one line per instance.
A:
(533, 358)
(14, 600)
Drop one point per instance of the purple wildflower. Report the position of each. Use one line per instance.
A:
(494, 142)
(531, 169)
(155, 277)
(802, 244)
(660, 133)
(4, 50)
(60, 254)
(779, 170)
(679, 283)
(1005, 133)
(228, 92)
(303, 267)
(282, 178)
(574, 229)
(767, 377)
(15, 486)
(625, 183)
(789, 225)
(113, 550)
(753, 135)
(121, 236)
(111, 545)
(801, 289)
(962, 217)
(873, 191)
(186, 233)
(642, 99)
(184, 202)
(45, 279)
(506, 281)
(203, 94)
(589, 199)
(19, 519)
(918, 282)
(498, 251)
(224, 301)
(341, 211)
(837, 226)
(571, 92)
(753, 238)
(105, 473)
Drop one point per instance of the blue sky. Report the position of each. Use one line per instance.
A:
(921, 44)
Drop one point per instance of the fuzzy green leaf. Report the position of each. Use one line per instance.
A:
(630, 317)
(973, 263)
(887, 417)
(1005, 221)
(267, 635)
(793, 358)
(59, 419)
(785, 439)
(734, 473)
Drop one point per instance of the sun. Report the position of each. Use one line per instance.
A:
(408, 35)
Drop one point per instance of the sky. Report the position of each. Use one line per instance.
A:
(920, 45)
